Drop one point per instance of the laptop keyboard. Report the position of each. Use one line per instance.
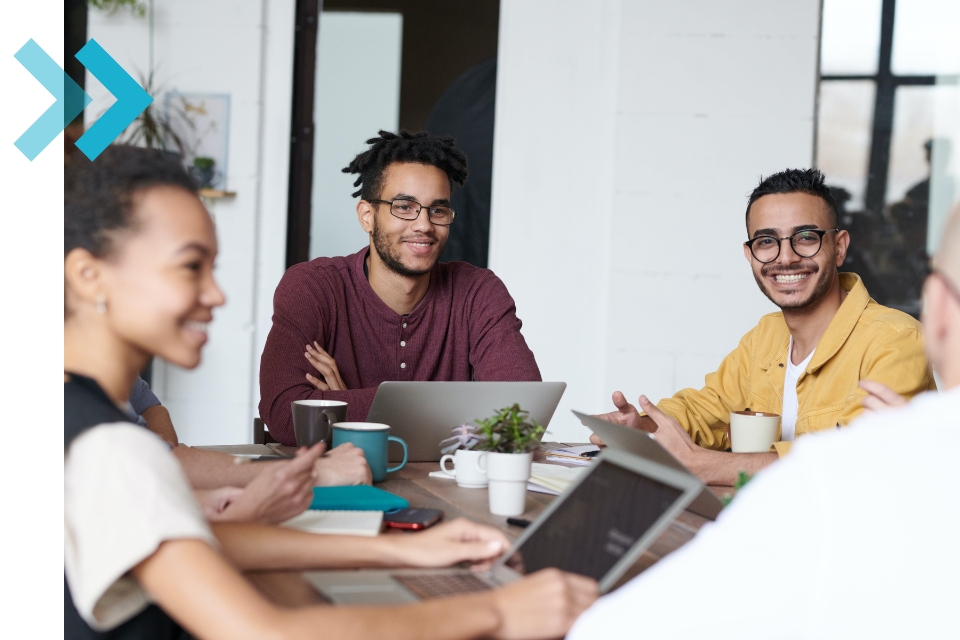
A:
(439, 585)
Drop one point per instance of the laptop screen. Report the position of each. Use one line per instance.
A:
(597, 523)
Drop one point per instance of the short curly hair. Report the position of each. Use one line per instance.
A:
(420, 148)
(98, 195)
(809, 181)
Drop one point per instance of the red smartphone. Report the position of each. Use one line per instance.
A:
(412, 519)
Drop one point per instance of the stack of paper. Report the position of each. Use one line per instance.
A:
(552, 478)
(573, 455)
(343, 523)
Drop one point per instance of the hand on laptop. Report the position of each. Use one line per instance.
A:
(543, 605)
(343, 465)
(880, 396)
(324, 363)
(670, 434)
(448, 543)
(281, 491)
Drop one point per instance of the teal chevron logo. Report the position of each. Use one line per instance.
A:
(71, 99)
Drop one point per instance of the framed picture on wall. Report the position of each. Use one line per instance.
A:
(201, 123)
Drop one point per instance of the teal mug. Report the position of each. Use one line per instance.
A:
(372, 437)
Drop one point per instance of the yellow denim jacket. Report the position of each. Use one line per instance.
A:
(865, 341)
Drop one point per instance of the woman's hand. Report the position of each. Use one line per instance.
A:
(880, 396)
(281, 491)
(447, 544)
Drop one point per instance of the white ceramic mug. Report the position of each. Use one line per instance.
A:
(465, 469)
(508, 474)
(753, 432)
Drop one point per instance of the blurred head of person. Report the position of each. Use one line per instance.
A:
(139, 250)
(941, 305)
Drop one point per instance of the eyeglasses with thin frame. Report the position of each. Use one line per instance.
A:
(805, 243)
(407, 209)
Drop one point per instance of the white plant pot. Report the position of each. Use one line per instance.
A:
(508, 474)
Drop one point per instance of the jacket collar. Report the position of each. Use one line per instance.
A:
(843, 322)
(836, 334)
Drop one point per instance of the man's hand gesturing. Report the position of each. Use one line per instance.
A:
(626, 414)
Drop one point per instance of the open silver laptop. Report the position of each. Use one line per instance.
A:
(598, 528)
(643, 444)
(424, 413)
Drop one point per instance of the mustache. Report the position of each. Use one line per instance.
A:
(771, 270)
(420, 237)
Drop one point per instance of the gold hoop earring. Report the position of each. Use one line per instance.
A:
(101, 304)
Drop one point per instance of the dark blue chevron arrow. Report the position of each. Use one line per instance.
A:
(71, 99)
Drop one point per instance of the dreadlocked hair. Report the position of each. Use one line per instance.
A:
(420, 148)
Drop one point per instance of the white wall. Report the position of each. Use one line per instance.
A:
(244, 49)
(625, 127)
(357, 94)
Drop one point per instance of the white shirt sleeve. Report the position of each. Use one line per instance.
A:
(723, 584)
(124, 494)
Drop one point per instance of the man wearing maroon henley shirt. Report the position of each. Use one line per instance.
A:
(392, 311)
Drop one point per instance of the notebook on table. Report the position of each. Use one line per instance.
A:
(343, 523)
(599, 527)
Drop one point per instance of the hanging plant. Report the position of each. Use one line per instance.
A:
(112, 6)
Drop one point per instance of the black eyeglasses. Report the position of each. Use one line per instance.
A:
(806, 244)
(406, 209)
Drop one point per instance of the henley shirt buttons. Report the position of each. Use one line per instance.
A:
(403, 365)
(403, 343)
(404, 325)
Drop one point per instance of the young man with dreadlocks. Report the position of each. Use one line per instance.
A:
(813, 362)
(391, 311)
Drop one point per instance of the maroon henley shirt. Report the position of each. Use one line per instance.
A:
(465, 328)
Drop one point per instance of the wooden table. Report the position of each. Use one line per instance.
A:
(413, 483)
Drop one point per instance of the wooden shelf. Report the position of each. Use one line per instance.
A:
(216, 193)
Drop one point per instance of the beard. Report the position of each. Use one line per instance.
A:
(824, 281)
(390, 255)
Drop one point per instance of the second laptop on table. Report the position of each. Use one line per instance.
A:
(598, 528)
(424, 413)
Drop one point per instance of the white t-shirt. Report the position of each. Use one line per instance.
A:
(124, 493)
(788, 416)
(853, 535)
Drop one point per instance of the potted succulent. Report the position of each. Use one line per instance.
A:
(509, 437)
(205, 171)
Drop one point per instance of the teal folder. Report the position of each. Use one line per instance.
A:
(358, 498)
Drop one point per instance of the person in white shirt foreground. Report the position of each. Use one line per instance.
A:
(855, 535)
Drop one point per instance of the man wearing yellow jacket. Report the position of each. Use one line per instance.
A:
(804, 362)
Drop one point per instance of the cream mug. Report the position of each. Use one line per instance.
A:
(753, 431)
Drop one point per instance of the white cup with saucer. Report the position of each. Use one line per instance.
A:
(465, 470)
